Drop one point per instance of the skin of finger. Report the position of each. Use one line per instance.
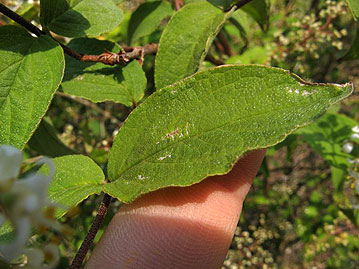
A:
(189, 227)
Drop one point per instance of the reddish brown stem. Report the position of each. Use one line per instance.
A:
(86, 244)
(225, 45)
(105, 58)
(178, 4)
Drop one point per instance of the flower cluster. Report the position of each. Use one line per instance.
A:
(23, 203)
(309, 37)
(248, 249)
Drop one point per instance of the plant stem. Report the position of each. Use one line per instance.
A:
(108, 58)
(178, 4)
(86, 244)
(20, 20)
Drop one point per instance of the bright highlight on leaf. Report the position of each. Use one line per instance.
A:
(26, 89)
(76, 178)
(203, 124)
(184, 44)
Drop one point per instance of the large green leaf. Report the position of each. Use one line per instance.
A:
(98, 82)
(76, 178)
(354, 8)
(327, 137)
(31, 70)
(258, 10)
(147, 18)
(75, 18)
(203, 124)
(186, 40)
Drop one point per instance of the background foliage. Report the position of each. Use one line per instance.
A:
(302, 210)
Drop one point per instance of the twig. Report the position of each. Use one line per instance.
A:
(213, 60)
(107, 57)
(178, 4)
(224, 42)
(20, 20)
(86, 244)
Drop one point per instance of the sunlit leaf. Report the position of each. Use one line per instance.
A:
(202, 125)
(184, 44)
(31, 70)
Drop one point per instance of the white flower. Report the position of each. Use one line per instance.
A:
(23, 203)
(10, 161)
(355, 129)
(348, 147)
(354, 136)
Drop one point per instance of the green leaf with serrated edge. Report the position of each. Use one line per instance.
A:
(147, 18)
(203, 124)
(258, 10)
(76, 178)
(80, 17)
(353, 53)
(31, 70)
(354, 8)
(98, 82)
(46, 142)
(184, 44)
(327, 136)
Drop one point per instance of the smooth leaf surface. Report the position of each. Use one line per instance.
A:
(98, 82)
(184, 44)
(147, 18)
(76, 178)
(81, 17)
(327, 137)
(31, 70)
(258, 10)
(354, 8)
(203, 124)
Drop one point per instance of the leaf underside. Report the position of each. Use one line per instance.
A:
(203, 124)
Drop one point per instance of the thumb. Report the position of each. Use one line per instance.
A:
(189, 227)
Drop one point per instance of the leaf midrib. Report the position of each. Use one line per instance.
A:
(198, 135)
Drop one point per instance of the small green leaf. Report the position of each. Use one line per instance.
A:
(147, 18)
(203, 124)
(46, 142)
(98, 82)
(7, 232)
(81, 17)
(327, 137)
(76, 178)
(31, 70)
(184, 44)
(258, 10)
(353, 53)
(354, 8)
